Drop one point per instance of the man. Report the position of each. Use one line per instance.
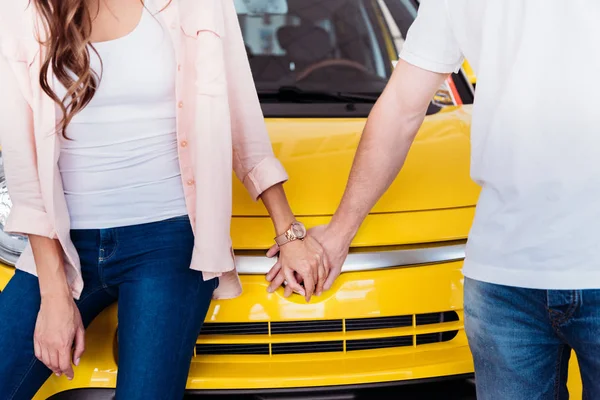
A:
(533, 257)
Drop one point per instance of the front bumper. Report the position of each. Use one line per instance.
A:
(392, 294)
(350, 392)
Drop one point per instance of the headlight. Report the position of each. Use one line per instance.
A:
(447, 95)
(11, 246)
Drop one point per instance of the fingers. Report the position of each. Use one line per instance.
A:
(37, 349)
(43, 355)
(274, 271)
(53, 356)
(79, 345)
(272, 252)
(276, 282)
(326, 270)
(311, 275)
(57, 357)
(333, 274)
(64, 362)
(50, 359)
(319, 271)
(292, 283)
(287, 292)
(301, 268)
(309, 287)
(326, 266)
(322, 276)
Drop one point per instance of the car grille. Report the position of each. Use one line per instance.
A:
(271, 336)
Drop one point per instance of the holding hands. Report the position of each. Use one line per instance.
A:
(311, 267)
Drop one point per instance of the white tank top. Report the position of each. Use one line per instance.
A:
(120, 166)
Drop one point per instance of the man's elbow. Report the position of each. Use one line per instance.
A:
(396, 120)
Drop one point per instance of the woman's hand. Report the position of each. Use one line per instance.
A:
(334, 248)
(58, 326)
(300, 261)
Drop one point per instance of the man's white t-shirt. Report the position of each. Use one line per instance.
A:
(535, 134)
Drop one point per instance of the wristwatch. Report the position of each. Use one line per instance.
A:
(297, 231)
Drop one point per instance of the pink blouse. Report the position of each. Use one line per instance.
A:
(219, 126)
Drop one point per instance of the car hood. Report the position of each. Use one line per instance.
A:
(318, 155)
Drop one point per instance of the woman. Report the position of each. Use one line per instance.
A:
(119, 122)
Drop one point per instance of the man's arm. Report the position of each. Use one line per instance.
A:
(388, 135)
(431, 52)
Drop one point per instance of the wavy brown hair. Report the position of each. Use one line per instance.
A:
(68, 28)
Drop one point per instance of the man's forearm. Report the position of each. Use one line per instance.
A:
(381, 153)
(388, 135)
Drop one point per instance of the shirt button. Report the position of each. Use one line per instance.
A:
(180, 105)
(191, 182)
(173, 26)
(184, 144)
(179, 67)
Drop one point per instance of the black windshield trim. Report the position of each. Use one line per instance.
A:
(295, 94)
(323, 110)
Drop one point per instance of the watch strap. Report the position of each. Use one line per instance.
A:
(285, 238)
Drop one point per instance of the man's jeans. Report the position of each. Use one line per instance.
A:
(522, 339)
(162, 305)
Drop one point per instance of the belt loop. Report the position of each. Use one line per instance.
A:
(579, 297)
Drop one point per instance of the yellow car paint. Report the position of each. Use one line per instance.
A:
(318, 155)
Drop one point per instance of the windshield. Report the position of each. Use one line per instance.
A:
(324, 46)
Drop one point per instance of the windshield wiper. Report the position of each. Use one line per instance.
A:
(294, 94)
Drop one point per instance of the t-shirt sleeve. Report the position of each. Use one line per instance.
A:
(430, 42)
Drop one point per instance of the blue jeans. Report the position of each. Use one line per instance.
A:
(522, 339)
(162, 305)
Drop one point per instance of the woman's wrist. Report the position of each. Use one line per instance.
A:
(279, 209)
(55, 290)
(48, 255)
(283, 224)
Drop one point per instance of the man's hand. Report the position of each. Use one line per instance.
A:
(335, 250)
(301, 263)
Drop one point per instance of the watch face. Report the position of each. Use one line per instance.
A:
(299, 230)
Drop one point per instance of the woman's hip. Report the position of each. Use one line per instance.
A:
(114, 255)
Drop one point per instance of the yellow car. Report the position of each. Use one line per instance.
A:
(395, 315)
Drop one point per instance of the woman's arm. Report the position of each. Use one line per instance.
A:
(253, 160)
(279, 209)
(256, 166)
(28, 214)
(59, 323)
(299, 261)
(58, 319)
(49, 266)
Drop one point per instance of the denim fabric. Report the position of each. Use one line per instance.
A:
(522, 339)
(162, 305)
